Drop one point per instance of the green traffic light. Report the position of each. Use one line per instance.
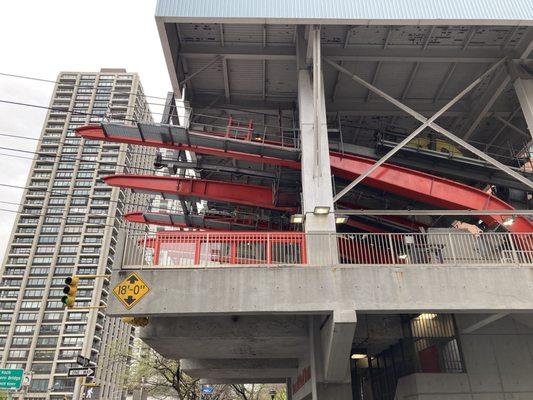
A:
(68, 300)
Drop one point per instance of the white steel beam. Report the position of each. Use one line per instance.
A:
(449, 213)
(484, 321)
(524, 91)
(513, 127)
(425, 123)
(226, 79)
(206, 66)
(347, 36)
(445, 81)
(508, 119)
(493, 94)
(350, 53)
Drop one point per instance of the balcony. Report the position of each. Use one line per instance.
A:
(263, 272)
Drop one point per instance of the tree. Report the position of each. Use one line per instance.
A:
(258, 392)
(163, 378)
(160, 377)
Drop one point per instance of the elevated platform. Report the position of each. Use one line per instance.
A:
(230, 290)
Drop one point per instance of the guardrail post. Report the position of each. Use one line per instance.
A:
(269, 249)
(207, 250)
(452, 248)
(122, 248)
(513, 248)
(197, 247)
(143, 253)
(391, 245)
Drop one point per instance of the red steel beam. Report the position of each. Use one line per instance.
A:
(395, 220)
(425, 188)
(249, 195)
(391, 178)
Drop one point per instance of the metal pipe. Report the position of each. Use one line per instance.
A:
(214, 60)
(435, 212)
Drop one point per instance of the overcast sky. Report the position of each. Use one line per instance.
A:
(40, 39)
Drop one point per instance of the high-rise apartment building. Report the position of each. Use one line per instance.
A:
(68, 225)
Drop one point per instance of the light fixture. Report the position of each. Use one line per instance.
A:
(341, 219)
(321, 210)
(358, 356)
(427, 316)
(402, 256)
(297, 219)
(508, 221)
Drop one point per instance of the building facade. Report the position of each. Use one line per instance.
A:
(68, 224)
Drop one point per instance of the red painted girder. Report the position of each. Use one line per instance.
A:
(405, 182)
(403, 222)
(95, 132)
(425, 188)
(139, 217)
(249, 195)
(364, 227)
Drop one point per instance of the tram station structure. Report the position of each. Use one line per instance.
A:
(354, 180)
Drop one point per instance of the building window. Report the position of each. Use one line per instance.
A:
(38, 385)
(18, 354)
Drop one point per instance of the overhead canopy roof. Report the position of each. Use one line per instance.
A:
(240, 55)
(374, 12)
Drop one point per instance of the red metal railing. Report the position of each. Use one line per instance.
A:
(176, 249)
(215, 248)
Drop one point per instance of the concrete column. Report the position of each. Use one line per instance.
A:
(524, 91)
(330, 345)
(288, 388)
(316, 174)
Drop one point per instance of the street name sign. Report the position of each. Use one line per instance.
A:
(79, 372)
(11, 378)
(208, 389)
(131, 290)
(83, 361)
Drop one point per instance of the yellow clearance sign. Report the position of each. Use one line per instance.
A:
(131, 290)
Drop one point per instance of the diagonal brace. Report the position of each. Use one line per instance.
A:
(425, 123)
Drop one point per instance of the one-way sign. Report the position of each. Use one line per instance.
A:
(83, 361)
(77, 372)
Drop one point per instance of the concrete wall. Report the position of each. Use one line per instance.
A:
(315, 290)
(499, 366)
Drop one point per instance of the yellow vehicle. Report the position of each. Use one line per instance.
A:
(435, 145)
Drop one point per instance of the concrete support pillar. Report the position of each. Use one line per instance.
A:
(316, 176)
(524, 91)
(330, 344)
(336, 337)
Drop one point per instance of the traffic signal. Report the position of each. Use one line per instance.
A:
(136, 321)
(70, 291)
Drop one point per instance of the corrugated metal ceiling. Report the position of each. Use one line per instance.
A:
(497, 10)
